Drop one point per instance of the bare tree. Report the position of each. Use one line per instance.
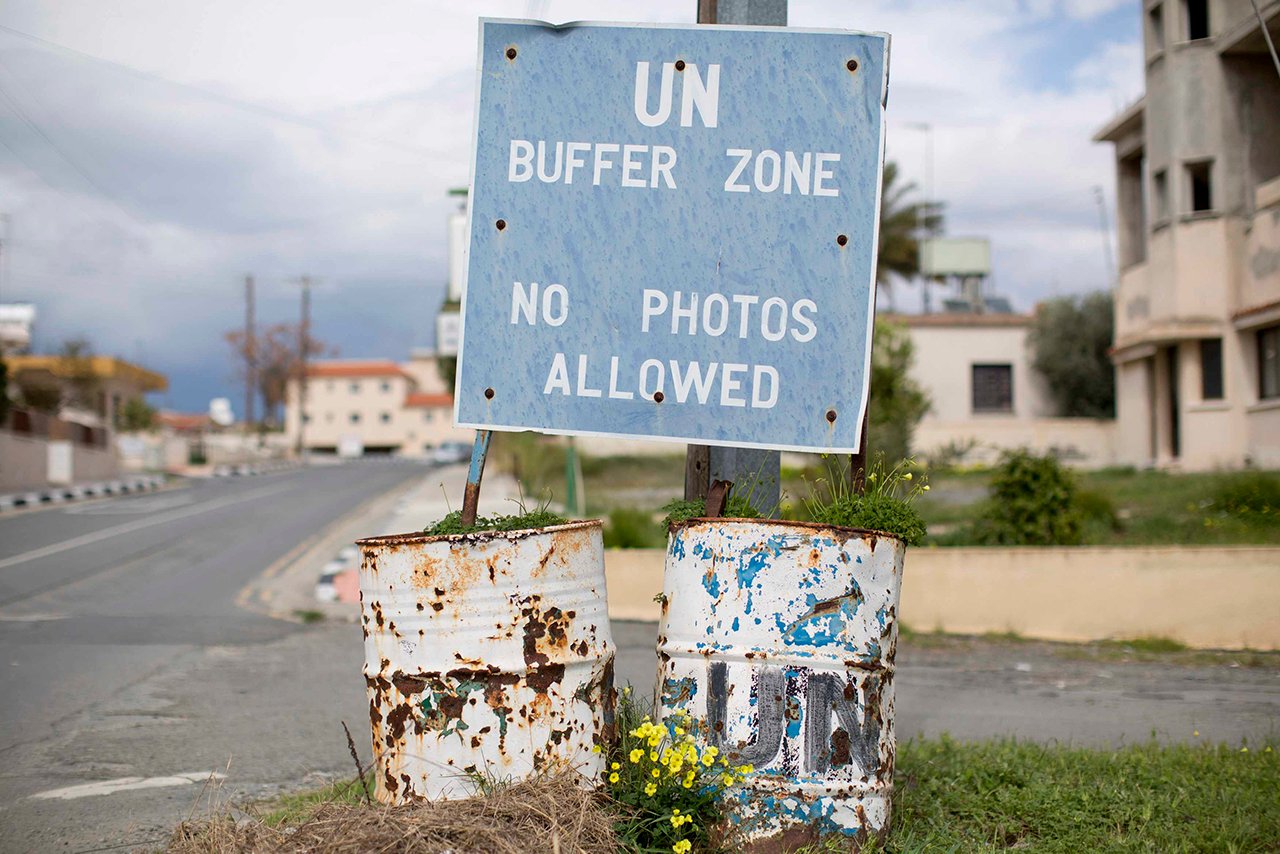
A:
(276, 360)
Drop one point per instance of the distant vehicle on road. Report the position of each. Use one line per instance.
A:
(450, 452)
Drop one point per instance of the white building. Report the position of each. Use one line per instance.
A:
(375, 405)
(985, 396)
(1197, 305)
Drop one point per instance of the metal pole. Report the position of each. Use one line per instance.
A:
(250, 355)
(755, 473)
(471, 495)
(304, 340)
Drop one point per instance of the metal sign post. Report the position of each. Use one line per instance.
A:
(673, 233)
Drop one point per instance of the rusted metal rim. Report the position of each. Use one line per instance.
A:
(417, 537)
(784, 523)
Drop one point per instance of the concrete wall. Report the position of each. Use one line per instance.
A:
(33, 463)
(1081, 442)
(24, 462)
(1206, 597)
(90, 464)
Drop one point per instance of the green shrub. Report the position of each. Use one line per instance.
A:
(629, 528)
(1034, 502)
(1248, 493)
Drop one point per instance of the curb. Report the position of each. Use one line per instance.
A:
(249, 469)
(59, 494)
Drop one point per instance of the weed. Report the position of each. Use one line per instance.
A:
(309, 616)
(668, 786)
(682, 511)
(887, 504)
(295, 808)
(525, 520)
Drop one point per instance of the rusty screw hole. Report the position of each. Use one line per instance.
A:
(831, 416)
(841, 238)
(511, 54)
(502, 223)
(852, 64)
(679, 65)
(488, 394)
(658, 397)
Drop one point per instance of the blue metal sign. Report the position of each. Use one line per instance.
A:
(673, 233)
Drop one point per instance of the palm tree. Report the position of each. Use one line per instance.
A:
(902, 225)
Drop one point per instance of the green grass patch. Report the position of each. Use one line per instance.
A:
(1126, 507)
(295, 808)
(309, 615)
(1152, 644)
(1002, 795)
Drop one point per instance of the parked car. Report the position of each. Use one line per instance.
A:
(450, 452)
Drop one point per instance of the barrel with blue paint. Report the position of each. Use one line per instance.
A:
(777, 640)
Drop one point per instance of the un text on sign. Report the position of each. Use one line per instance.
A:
(673, 233)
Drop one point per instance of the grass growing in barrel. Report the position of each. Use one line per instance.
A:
(452, 523)
(1006, 795)
(886, 504)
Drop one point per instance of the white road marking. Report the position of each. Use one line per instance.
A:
(127, 784)
(138, 525)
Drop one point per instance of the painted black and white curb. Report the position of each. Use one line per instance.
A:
(59, 494)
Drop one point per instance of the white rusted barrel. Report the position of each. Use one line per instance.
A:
(778, 640)
(487, 656)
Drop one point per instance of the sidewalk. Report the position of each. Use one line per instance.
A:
(326, 564)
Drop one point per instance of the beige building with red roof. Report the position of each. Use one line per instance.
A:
(373, 406)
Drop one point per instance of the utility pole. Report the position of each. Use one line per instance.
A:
(304, 340)
(756, 470)
(250, 355)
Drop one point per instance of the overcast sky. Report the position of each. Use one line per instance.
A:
(152, 152)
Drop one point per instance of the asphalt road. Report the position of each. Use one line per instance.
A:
(97, 597)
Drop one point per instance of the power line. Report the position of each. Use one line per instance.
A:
(208, 94)
(31, 123)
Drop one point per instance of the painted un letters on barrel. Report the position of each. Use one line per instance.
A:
(838, 730)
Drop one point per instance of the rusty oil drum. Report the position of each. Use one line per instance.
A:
(778, 640)
(487, 656)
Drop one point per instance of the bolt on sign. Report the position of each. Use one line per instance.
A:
(673, 233)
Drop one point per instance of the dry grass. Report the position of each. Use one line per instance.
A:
(552, 814)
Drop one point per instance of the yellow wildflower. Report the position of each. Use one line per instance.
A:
(651, 789)
(595, 748)
(745, 769)
(614, 765)
(656, 773)
(727, 778)
(636, 755)
(653, 756)
(613, 778)
(682, 847)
